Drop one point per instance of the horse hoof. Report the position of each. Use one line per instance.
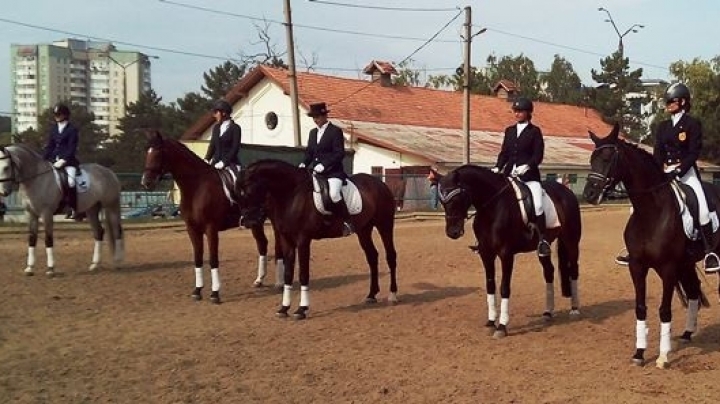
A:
(215, 298)
(547, 316)
(93, 267)
(574, 312)
(638, 362)
(638, 359)
(197, 294)
(29, 271)
(282, 312)
(300, 313)
(500, 332)
(393, 299)
(686, 338)
(370, 300)
(50, 273)
(662, 362)
(257, 284)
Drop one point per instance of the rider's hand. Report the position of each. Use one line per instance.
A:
(319, 168)
(520, 170)
(59, 164)
(495, 170)
(672, 169)
(219, 165)
(301, 165)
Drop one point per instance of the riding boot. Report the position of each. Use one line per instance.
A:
(543, 248)
(342, 211)
(72, 202)
(711, 261)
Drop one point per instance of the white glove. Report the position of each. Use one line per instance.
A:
(495, 170)
(302, 165)
(59, 164)
(219, 165)
(207, 161)
(520, 170)
(319, 168)
(672, 168)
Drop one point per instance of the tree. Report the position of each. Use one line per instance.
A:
(617, 82)
(407, 76)
(562, 84)
(221, 79)
(519, 69)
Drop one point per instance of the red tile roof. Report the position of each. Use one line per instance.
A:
(367, 101)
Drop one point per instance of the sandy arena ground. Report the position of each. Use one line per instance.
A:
(133, 335)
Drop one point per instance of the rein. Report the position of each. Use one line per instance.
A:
(607, 180)
(459, 191)
(13, 170)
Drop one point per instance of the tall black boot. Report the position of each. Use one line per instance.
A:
(711, 261)
(342, 211)
(72, 202)
(543, 249)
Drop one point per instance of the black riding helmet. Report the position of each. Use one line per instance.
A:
(522, 104)
(61, 109)
(678, 91)
(222, 106)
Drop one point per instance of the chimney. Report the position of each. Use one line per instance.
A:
(381, 72)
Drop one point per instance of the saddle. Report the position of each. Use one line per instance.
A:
(321, 195)
(525, 200)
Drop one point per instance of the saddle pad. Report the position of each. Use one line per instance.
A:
(226, 186)
(688, 222)
(350, 194)
(82, 181)
(551, 217)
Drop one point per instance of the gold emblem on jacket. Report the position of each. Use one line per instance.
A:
(682, 136)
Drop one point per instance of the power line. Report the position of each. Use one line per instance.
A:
(332, 3)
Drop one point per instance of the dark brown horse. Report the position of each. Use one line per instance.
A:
(654, 234)
(501, 232)
(290, 191)
(204, 206)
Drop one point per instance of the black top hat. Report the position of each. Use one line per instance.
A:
(318, 109)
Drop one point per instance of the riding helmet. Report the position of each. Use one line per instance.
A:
(677, 91)
(522, 104)
(61, 109)
(222, 106)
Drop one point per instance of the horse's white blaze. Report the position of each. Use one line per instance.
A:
(492, 310)
(279, 272)
(504, 311)
(549, 298)
(665, 345)
(215, 277)
(31, 258)
(287, 295)
(262, 269)
(198, 278)
(641, 332)
(50, 257)
(304, 296)
(692, 314)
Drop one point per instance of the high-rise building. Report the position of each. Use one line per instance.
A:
(94, 75)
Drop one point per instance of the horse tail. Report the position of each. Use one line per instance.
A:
(564, 268)
(113, 224)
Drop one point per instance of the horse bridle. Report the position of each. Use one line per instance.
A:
(605, 177)
(13, 166)
(448, 195)
(158, 169)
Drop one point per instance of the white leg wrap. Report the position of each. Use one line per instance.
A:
(31, 257)
(492, 311)
(96, 252)
(575, 299)
(664, 338)
(50, 257)
(198, 278)
(215, 276)
(641, 332)
(549, 298)
(692, 315)
(287, 295)
(262, 268)
(279, 272)
(304, 296)
(504, 311)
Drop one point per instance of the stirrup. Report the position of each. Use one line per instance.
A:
(711, 263)
(622, 260)
(348, 229)
(543, 248)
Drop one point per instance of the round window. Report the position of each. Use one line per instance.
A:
(271, 120)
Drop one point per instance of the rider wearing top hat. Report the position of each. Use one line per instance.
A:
(521, 154)
(224, 147)
(324, 154)
(60, 150)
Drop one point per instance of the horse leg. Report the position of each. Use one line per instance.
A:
(289, 256)
(33, 223)
(549, 275)
(386, 235)
(261, 242)
(371, 256)
(568, 257)
(98, 235)
(49, 243)
(279, 263)
(488, 260)
(639, 275)
(691, 285)
(113, 225)
(196, 238)
(213, 241)
(668, 288)
(506, 263)
(303, 254)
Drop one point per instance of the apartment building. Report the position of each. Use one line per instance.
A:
(95, 75)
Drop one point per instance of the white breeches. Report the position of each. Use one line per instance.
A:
(691, 179)
(335, 185)
(536, 191)
(71, 172)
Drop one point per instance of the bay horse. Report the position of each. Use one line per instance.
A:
(41, 189)
(501, 232)
(204, 207)
(290, 190)
(654, 234)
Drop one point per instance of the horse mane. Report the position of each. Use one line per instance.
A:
(644, 154)
(480, 173)
(184, 152)
(28, 149)
(277, 173)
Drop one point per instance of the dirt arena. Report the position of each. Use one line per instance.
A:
(133, 335)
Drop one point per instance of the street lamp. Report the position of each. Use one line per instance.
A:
(633, 28)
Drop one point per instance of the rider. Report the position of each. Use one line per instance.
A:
(60, 150)
(678, 142)
(521, 154)
(324, 153)
(224, 149)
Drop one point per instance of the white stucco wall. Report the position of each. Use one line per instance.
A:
(368, 156)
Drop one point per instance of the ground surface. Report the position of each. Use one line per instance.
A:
(133, 335)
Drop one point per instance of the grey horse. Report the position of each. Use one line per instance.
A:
(23, 168)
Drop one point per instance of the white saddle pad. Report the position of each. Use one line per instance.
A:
(551, 217)
(688, 222)
(82, 181)
(350, 194)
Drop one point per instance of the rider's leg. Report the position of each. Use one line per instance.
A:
(711, 261)
(72, 191)
(340, 208)
(543, 249)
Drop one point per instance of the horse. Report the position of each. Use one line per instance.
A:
(290, 191)
(41, 188)
(204, 207)
(501, 231)
(654, 234)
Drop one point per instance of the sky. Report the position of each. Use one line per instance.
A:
(189, 42)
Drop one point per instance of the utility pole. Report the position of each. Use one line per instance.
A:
(292, 74)
(466, 87)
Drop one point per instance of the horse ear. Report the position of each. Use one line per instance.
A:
(615, 131)
(594, 137)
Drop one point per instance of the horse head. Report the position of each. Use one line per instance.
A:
(154, 162)
(8, 172)
(605, 172)
(456, 202)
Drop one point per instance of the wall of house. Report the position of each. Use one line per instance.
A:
(368, 156)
